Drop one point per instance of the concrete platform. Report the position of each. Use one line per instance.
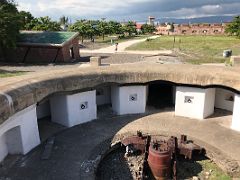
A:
(77, 151)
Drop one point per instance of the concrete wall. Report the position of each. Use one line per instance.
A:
(65, 52)
(103, 95)
(174, 94)
(47, 54)
(69, 110)
(194, 102)
(19, 134)
(223, 99)
(43, 110)
(236, 113)
(129, 99)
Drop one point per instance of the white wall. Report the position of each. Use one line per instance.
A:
(236, 113)
(121, 99)
(104, 97)
(201, 105)
(66, 109)
(59, 110)
(209, 102)
(19, 134)
(4, 148)
(115, 96)
(222, 99)
(43, 110)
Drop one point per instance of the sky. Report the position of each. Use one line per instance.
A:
(137, 10)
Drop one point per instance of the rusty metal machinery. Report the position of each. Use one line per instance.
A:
(160, 154)
(159, 160)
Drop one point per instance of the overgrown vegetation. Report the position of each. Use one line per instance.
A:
(194, 49)
(202, 169)
(234, 27)
(9, 24)
(4, 73)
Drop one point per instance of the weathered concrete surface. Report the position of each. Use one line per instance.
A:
(77, 152)
(17, 93)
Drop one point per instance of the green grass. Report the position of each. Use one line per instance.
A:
(194, 49)
(4, 74)
(216, 174)
(201, 169)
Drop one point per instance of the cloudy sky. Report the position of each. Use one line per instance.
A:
(129, 9)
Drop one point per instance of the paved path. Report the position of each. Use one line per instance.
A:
(122, 48)
(78, 150)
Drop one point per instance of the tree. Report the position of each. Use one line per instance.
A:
(130, 28)
(115, 27)
(148, 29)
(9, 24)
(103, 28)
(43, 24)
(64, 22)
(234, 27)
(85, 28)
(25, 18)
(171, 27)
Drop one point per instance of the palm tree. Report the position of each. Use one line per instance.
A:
(64, 22)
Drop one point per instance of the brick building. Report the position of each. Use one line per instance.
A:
(192, 29)
(43, 47)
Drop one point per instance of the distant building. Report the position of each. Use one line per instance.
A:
(139, 27)
(192, 29)
(151, 20)
(44, 47)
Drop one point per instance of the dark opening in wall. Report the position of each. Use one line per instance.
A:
(71, 53)
(161, 95)
(46, 127)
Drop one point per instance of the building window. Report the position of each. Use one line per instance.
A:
(184, 31)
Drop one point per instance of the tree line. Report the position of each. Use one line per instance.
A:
(12, 21)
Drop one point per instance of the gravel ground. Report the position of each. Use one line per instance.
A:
(85, 58)
(116, 58)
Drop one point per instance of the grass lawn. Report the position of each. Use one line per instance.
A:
(194, 49)
(203, 169)
(4, 73)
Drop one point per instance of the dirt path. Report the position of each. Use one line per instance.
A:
(122, 48)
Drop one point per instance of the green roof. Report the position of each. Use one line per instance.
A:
(39, 37)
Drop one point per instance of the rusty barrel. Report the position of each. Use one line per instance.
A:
(159, 161)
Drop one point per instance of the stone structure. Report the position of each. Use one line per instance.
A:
(43, 47)
(71, 110)
(235, 60)
(73, 96)
(192, 29)
(19, 134)
(95, 61)
(194, 102)
(129, 99)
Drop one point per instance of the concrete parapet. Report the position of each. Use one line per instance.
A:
(95, 61)
(235, 60)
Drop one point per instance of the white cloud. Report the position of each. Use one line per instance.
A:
(129, 8)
